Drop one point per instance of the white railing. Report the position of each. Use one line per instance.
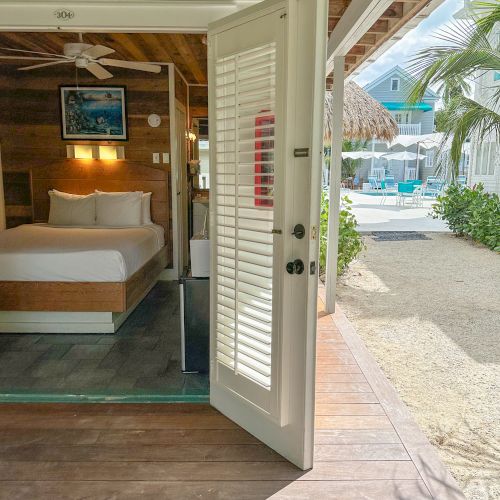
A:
(409, 128)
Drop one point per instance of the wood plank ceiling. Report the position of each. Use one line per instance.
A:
(189, 51)
(392, 20)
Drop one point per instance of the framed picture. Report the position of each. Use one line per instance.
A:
(93, 113)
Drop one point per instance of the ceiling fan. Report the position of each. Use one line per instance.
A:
(82, 55)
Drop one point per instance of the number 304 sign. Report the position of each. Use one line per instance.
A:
(64, 14)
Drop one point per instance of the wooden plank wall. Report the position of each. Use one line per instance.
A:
(30, 133)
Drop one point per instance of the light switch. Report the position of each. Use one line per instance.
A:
(156, 157)
(166, 158)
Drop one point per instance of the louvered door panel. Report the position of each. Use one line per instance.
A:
(245, 214)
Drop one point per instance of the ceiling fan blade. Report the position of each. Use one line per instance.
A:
(25, 58)
(98, 51)
(25, 68)
(141, 66)
(36, 52)
(98, 71)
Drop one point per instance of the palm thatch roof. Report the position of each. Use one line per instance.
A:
(364, 117)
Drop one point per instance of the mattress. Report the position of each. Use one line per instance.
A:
(40, 252)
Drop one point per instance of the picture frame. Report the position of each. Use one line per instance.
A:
(93, 113)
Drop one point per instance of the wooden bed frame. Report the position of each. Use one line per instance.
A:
(84, 177)
(68, 296)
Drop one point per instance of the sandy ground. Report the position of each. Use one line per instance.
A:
(429, 311)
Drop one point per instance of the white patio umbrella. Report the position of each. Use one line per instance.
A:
(405, 156)
(362, 155)
(426, 141)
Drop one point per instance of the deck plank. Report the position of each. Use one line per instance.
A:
(191, 451)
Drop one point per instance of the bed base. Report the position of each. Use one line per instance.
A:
(67, 307)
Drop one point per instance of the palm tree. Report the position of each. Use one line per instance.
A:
(469, 50)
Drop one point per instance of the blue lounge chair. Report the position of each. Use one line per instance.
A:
(374, 185)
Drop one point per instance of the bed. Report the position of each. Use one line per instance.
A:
(82, 279)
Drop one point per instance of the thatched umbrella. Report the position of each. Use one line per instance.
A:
(364, 117)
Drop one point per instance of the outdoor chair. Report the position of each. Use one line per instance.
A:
(405, 190)
(373, 181)
(417, 198)
(433, 186)
(388, 186)
(462, 180)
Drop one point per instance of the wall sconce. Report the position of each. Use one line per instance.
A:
(190, 135)
(79, 151)
(89, 152)
(111, 153)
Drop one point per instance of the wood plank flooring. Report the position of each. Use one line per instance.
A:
(184, 451)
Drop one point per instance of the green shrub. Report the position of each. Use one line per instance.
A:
(350, 241)
(471, 212)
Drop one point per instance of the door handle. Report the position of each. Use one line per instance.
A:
(295, 267)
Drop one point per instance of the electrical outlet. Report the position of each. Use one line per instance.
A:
(156, 157)
(166, 157)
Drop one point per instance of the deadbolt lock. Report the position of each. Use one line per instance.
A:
(299, 231)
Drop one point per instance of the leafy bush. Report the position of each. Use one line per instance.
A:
(472, 212)
(350, 242)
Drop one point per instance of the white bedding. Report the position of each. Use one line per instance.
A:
(40, 252)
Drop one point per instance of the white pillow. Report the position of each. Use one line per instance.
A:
(72, 209)
(119, 209)
(146, 205)
(146, 208)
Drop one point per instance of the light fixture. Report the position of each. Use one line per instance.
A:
(108, 153)
(81, 152)
(190, 135)
(89, 152)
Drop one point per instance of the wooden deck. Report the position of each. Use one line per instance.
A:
(367, 445)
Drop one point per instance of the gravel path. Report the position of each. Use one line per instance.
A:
(429, 311)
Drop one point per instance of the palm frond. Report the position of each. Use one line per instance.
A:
(465, 119)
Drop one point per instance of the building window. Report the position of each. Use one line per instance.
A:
(395, 82)
(429, 161)
(487, 158)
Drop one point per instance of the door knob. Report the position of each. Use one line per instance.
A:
(299, 231)
(295, 267)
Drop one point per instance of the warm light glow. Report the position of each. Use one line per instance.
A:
(83, 152)
(108, 153)
(190, 135)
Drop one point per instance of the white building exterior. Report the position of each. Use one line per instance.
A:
(485, 153)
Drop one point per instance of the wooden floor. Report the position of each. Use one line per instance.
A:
(367, 446)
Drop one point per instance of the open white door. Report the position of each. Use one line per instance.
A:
(266, 88)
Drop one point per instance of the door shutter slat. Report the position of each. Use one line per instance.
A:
(244, 196)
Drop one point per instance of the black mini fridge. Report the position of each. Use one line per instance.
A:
(195, 324)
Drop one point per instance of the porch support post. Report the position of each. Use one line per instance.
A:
(335, 179)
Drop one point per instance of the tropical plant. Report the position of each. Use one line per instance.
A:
(350, 241)
(471, 212)
(467, 50)
(349, 165)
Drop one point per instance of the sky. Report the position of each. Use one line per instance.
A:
(420, 37)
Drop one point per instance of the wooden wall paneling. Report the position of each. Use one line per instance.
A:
(198, 101)
(30, 136)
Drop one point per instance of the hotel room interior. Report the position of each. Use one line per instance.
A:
(97, 221)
